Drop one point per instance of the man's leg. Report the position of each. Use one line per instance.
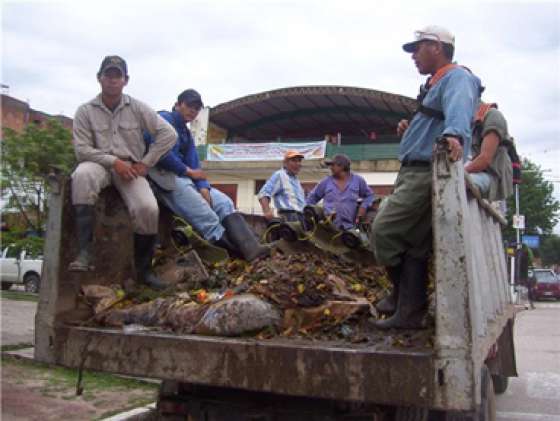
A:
(222, 205)
(144, 212)
(88, 180)
(186, 202)
(402, 238)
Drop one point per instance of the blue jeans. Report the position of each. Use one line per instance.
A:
(186, 202)
(482, 180)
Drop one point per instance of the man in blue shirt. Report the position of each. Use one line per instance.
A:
(285, 189)
(181, 185)
(402, 230)
(340, 193)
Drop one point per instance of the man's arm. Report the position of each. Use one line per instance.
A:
(494, 130)
(84, 145)
(459, 100)
(163, 134)
(317, 193)
(490, 144)
(365, 193)
(265, 206)
(270, 188)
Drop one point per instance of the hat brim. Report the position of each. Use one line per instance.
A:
(113, 66)
(410, 47)
(295, 157)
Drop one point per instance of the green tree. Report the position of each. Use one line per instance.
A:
(27, 160)
(550, 250)
(536, 202)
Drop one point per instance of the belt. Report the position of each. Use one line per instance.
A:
(414, 163)
(287, 211)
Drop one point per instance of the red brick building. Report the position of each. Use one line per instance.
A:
(17, 114)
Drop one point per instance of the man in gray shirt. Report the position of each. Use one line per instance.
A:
(109, 145)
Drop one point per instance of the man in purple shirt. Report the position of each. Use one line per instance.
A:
(340, 193)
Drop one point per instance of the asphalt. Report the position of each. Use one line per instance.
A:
(535, 394)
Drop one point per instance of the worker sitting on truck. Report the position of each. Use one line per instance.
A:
(340, 192)
(109, 145)
(181, 185)
(286, 190)
(402, 230)
(491, 168)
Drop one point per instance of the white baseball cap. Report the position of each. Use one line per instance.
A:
(430, 33)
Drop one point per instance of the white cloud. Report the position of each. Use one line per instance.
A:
(227, 49)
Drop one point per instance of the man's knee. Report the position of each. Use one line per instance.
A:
(87, 181)
(146, 217)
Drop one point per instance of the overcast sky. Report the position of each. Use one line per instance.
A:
(51, 52)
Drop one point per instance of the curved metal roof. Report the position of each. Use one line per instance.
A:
(312, 111)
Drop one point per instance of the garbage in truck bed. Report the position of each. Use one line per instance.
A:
(296, 292)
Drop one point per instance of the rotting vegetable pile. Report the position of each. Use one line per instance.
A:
(313, 295)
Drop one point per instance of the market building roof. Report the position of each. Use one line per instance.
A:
(311, 112)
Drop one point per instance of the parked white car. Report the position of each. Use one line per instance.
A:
(20, 268)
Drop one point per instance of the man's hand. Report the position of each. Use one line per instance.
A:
(455, 148)
(401, 127)
(361, 216)
(140, 168)
(197, 174)
(268, 214)
(206, 194)
(124, 170)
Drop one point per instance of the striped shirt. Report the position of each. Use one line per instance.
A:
(286, 191)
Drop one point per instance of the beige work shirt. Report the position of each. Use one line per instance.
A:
(101, 135)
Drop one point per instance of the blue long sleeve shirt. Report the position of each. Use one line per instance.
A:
(183, 155)
(457, 95)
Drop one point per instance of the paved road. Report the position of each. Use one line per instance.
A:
(535, 394)
(18, 322)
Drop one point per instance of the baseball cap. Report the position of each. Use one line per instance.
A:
(115, 62)
(430, 33)
(293, 154)
(190, 97)
(339, 159)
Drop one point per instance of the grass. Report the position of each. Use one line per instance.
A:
(15, 347)
(61, 380)
(19, 296)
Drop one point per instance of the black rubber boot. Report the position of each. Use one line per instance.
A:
(412, 302)
(226, 243)
(242, 236)
(84, 231)
(388, 305)
(144, 246)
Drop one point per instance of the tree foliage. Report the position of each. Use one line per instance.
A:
(536, 202)
(550, 250)
(27, 160)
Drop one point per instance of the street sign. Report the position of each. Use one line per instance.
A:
(519, 222)
(531, 241)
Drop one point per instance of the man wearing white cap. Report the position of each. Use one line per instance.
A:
(403, 229)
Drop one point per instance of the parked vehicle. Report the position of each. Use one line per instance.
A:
(545, 284)
(452, 377)
(20, 267)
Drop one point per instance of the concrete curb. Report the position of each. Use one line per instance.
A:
(134, 414)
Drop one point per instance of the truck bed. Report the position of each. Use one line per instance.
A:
(473, 312)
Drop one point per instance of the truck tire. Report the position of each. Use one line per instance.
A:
(6, 286)
(31, 283)
(500, 383)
